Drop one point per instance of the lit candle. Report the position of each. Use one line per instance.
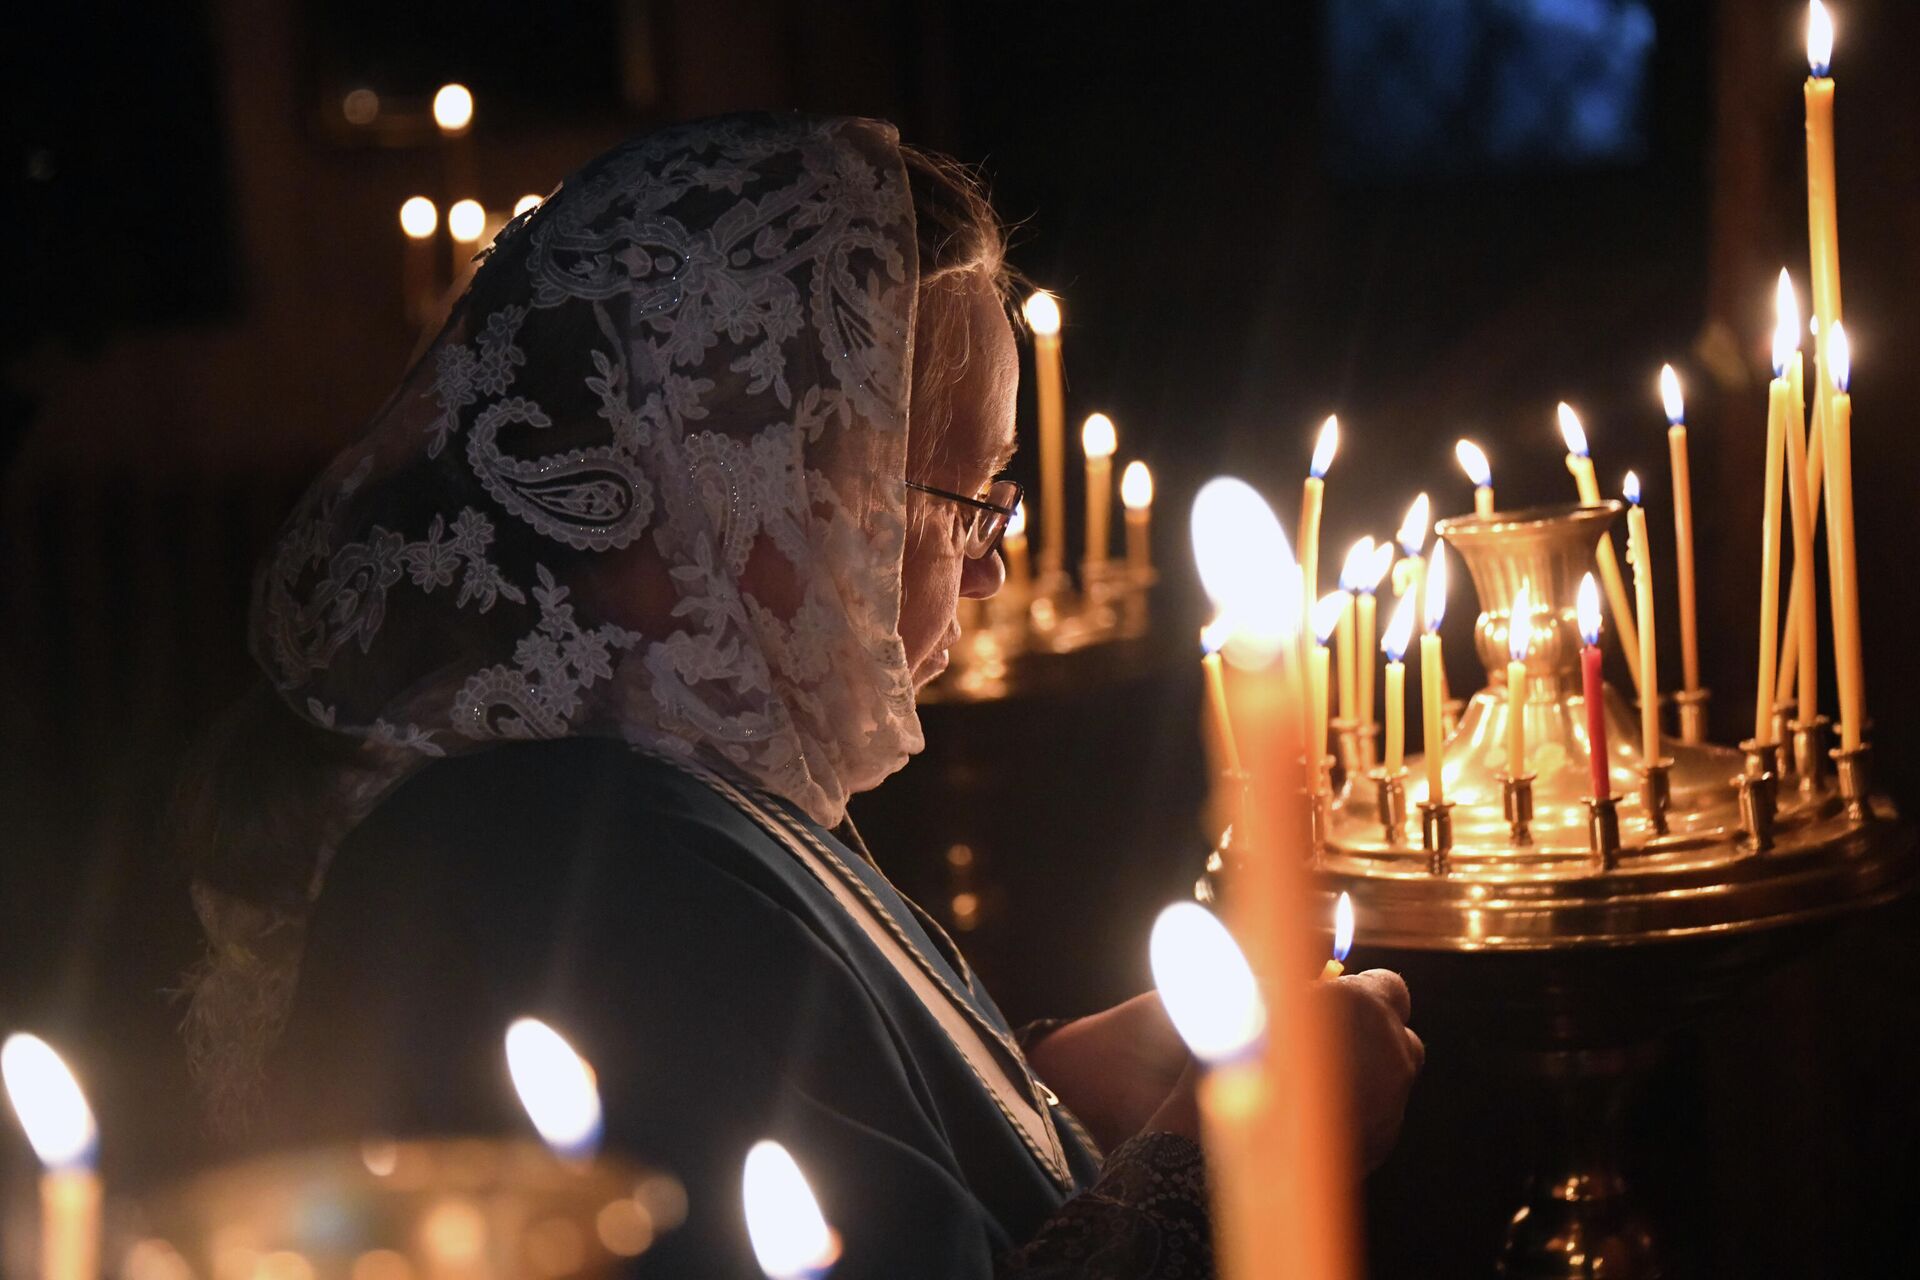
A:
(453, 109)
(1226, 752)
(1823, 224)
(1327, 612)
(1846, 586)
(1098, 440)
(1042, 311)
(1213, 1000)
(1682, 524)
(453, 115)
(419, 219)
(1580, 464)
(527, 203)
(1394, 645)
(1432, 677)
(1519, 641)
(790, 1236)
(557, 1088)
(1779, 414)
(1366, 632)
(1013, 545)
(1311, 500)
(466, 222)
(1342, 937)
(1640, 556)
(1592, 692)
(1352, 572)
(1313, 497)
(1286, 1211)
(61, 1130)
(1473, 461)
(1802, 621)
(1411, 573)
(1136, 495)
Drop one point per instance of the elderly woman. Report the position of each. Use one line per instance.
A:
(628, 588)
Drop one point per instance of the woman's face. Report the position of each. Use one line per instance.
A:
(935, 572)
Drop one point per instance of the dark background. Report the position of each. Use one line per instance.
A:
(1436, 217)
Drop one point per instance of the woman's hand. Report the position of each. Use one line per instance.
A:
(1116, 1069)
(1382, 1057)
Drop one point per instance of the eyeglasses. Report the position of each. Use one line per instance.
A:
(989, 516)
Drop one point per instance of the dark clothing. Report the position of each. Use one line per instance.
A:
(722, 994)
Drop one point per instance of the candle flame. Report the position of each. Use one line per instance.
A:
(1246, 568)
(1786, 327)
(1214, 636)
(418, 217)
(1473, 461)
(1017, 522)
(556, 1086)
(1097, 436)
(453, 108)
(1630, 488)
(1136, 486)
(790, 1236)
(1205, 983)
(1400, 629)
(1325, 447)
(1377, 567)
(1571, 431)
(1840, 356)
(1326, 615)
(466, 220)
(1342, 927)
(526, 202)
(1587, 609)
(1437, 588)
(1355, 569)
(1819, 40)
(48, 1099)
(1042, 311)
(1413, 529)
(1670, 395)
(1520, 624)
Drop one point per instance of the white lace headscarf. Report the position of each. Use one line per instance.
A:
(647, 484)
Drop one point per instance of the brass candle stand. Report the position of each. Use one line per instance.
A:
(1696, 869)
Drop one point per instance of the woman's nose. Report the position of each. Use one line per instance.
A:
(982, 578)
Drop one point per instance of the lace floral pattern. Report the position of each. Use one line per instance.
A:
(647, 483)
(1145, 1219)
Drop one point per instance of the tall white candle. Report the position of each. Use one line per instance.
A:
(61, 1130)
(1098, 440)
(1042, 312)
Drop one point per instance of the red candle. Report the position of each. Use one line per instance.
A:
(1590, 686)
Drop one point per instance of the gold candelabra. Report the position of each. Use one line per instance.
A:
(1533, 901)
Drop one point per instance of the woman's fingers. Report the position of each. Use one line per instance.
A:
(1388, 987)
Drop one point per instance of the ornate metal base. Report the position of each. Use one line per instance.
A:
(1579, 1219)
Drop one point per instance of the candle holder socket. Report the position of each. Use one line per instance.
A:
(1436, 833)
(1759, 794)
(1603, 831)
(1657, 792)
(1392, 788)
(1322, 797)
(1692, 707)
(1369, 738)
(1762, 757)
(1346, 742)
(1810, 752)
(1855, 774)
(1781, 735)
(1516, 796)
